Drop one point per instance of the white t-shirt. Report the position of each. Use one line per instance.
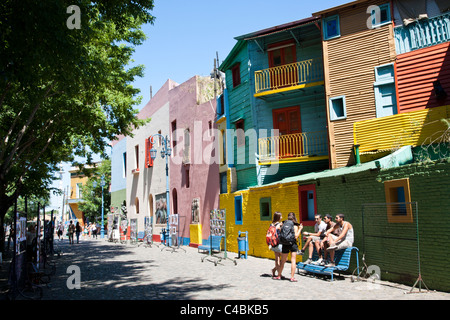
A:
(322, 226)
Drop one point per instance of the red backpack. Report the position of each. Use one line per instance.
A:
(272, 236)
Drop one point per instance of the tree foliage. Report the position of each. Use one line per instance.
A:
(63, 92)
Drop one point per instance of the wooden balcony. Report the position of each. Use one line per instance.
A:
(304, 146)
(293, 76)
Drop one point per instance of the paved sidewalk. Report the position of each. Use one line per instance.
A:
(113, 271)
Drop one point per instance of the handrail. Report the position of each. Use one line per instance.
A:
(292, 74)
(422, 33)
(293, 145)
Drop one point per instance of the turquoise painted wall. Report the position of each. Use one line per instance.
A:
(239, 107)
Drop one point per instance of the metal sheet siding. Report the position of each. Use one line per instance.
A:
(416, 72)
(350, 70)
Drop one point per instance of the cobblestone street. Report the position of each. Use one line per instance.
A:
(128, 272)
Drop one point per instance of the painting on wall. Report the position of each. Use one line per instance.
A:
(161, 208)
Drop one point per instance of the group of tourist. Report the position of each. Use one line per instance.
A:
(87, 231)
(327, 237)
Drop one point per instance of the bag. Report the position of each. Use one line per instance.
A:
(272, 236)
(287, 233)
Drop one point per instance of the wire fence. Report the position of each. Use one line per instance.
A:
(391, 239)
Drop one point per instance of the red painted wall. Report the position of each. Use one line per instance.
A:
(416, 72)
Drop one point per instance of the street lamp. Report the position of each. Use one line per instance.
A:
(165, 152)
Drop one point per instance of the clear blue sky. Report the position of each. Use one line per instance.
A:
(186, 35)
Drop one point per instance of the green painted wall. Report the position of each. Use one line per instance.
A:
(430, 187)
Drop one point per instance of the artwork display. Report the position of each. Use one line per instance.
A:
(217, 222)
(173, 228)
(195, 209)
(161, 208)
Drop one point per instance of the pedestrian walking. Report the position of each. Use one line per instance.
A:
(289, 234)
(60, 231)
(78, 231)
(71, 231)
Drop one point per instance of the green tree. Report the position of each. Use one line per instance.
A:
(91, 205)
(63, 91)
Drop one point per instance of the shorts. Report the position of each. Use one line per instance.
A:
(343, 244)
(277, 249)
(315, 238)
(289, 248)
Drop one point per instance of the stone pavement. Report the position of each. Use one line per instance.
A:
(114, 271)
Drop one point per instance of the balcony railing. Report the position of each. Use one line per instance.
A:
(290, 76)
(296, 145)
(422, 33)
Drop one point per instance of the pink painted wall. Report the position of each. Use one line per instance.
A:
(155, 103)
(204, 176)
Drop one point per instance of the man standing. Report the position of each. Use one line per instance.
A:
(343, 241)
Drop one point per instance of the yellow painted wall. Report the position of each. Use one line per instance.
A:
(284, 198)
(77, 212)
(73, 184)
(195, 233)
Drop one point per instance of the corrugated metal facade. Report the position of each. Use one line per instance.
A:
(416, 72)
(349, 63)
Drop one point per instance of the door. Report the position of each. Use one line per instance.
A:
(289, 142)
(385, 100)
(282, 54)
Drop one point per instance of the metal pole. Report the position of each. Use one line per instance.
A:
(167, 191)
(102, 231)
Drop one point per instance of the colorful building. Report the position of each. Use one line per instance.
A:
(146, 179)
(386, 131)
(77, 180)
(194, 164)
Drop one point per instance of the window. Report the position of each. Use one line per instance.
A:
(223, 182)
(384, 89)
(338, 108)
(265, 209)
(238, 210)
(136, 157)
(308, 204)
(79, 191)
(223, 147)
(187, 147)
(240, 134)
(136, 204)
(331, 27)
(174, 130)
(236, 73)
(187, 178)
(398, 200)
(380, 15)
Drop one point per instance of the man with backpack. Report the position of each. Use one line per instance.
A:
(289, 233)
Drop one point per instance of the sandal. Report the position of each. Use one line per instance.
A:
(273, 272)
(276, 278)
(294, 280)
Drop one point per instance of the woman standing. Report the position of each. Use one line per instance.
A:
(276, 222)
(288, 237)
